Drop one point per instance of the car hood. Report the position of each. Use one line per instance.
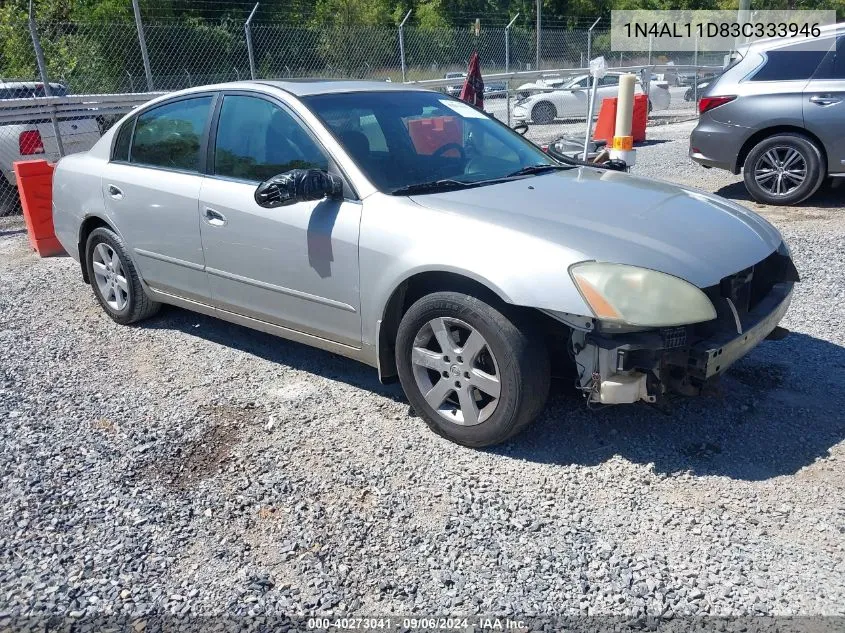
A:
(614, 217)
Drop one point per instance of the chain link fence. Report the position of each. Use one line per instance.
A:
(108, 59)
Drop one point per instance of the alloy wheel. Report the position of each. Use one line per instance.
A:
(455, 370)
(780, 170)
(110, 277)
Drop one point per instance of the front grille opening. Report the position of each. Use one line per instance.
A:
(746, 289)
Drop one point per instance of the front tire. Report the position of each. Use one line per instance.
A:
(115, 281)
(784, 169)
(470, 371)
(543, 113)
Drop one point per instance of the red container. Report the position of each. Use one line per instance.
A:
(430, 134)
(35, 184)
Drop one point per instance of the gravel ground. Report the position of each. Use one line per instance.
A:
(196, 467)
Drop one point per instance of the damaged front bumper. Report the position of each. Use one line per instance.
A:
(712, 357)
(622, 368)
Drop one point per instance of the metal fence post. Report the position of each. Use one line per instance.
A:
(589, 59)
(248, 34)
(508, 45)
(695, 78)
(539, 28)
(402, 43)
(142, 41)
(45, 79)
(590, 40)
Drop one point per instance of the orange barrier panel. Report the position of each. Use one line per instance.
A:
(640, 118)
(607, 119)
(35, 184)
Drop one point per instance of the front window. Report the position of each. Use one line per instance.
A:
(400, 139)
(256, 139)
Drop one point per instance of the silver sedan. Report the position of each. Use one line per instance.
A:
(407, 230)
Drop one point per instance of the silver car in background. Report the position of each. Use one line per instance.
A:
(777, 115)
(412, 232)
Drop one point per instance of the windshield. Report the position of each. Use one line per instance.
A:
(405, 138)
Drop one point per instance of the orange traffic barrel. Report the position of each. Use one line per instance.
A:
(35, 184)
(606, 123)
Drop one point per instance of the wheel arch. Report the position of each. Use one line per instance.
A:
(88, 225)
(410, 289)
(763, 134)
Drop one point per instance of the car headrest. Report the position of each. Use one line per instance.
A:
(356, 143)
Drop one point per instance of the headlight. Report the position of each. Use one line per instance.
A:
(640, 297)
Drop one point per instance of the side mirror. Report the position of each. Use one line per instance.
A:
(297, 185)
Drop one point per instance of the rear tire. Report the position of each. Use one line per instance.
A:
(115, 281)
(784, 169)
(543, 113)
(474, 375)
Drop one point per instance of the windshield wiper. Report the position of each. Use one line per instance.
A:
(446, 184)
(538, 169)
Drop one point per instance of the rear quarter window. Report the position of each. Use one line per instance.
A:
(789, 65)
(120, 151)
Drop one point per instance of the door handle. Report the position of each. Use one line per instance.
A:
(824, 100)
(214, 218)
(115, 193)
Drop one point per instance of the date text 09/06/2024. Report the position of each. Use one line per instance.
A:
(422, 623)
(721, 29)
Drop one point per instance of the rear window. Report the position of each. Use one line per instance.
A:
(789, 65)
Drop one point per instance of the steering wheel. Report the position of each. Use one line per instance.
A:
(448, 147)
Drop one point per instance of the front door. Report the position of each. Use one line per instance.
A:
(824, 105)
(151, 190)
(295, 266)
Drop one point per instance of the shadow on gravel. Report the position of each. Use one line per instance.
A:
(12, 232)
(827, 197)
(274, 349)
(776, 411)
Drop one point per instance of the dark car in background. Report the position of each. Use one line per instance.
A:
(778, 116)
(454, 90)
(495, 89)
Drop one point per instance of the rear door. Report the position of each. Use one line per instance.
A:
(151, 189)
(824, 105)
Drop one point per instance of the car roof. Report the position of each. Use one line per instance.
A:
(308, 87)
(27, 84)
(827, 31)
(302, 87)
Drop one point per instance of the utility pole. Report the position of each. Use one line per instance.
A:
(539, 27)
